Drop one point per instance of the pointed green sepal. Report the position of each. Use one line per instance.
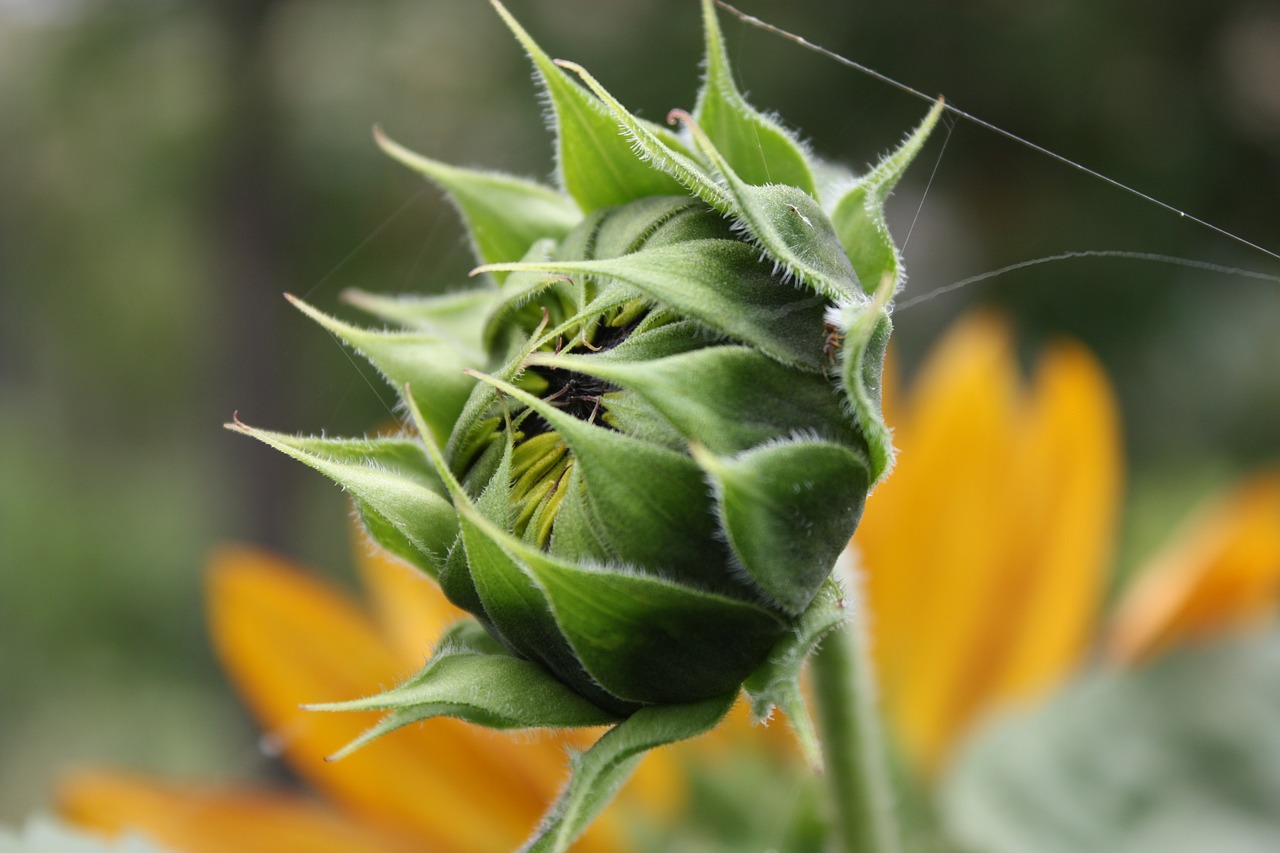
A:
(777, 682)
(600, 771)
(431, 364)
(503, 214)
(758, 148)
(656, 146)
(788, 224)
(400, 499)
(727, 398)
(518, 290)
(648, 639)
(722, 284)
(788, 509)
(596, 164)
(865, 333)
(457, 316)
(858, 215)
(651, 504)
(472, 678)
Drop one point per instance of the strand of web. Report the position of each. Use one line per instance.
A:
(956, 111)
(1087, 253)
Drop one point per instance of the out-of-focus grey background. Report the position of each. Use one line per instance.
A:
(168, 168)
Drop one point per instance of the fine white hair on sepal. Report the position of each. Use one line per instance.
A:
(842, 313)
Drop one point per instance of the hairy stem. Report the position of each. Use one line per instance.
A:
(856, 770)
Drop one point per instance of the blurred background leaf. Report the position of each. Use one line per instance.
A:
(1181, 755)
(168, 167)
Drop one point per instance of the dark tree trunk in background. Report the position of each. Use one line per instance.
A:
(254, 208)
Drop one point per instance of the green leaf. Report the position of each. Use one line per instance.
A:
(758, 148)
(472, 678)
(398, 496)
(727, 398)
(858, 215)
(503, 215)
(788, 224)
(788, 508)
(595, 161)
(865, 331)
(1181, 756)
(432, 366)
(723, 285)
(777, 682)
(600, 771)
(457, 316)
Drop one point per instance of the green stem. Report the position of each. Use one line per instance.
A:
(856, 771)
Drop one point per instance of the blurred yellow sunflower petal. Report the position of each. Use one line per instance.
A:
(204, 819)
(934, 533)
(1069, 502)
(985, 550)
(1222, 571)
(286, 638)
(409, 607)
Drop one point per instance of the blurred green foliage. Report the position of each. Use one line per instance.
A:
(167, 168)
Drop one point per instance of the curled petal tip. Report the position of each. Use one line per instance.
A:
(679, 115)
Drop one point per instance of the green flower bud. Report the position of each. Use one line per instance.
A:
(644, 439)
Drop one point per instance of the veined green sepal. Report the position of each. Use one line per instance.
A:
(428, 362)
(864, 337)
(457, 316)
(503, 214)
(759, 149)
(788, 508)
(722, 284)
(473, 678)
(858, 214)
(777, 682)
(595, 163)
(728, 398)
(398, 495)
(654, 147)
(650, 503)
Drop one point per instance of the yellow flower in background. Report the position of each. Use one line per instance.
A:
(986, 572)
(285, 638)
(988, 548)
(1222, 570)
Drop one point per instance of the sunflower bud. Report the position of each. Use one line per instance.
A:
(643, 440)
